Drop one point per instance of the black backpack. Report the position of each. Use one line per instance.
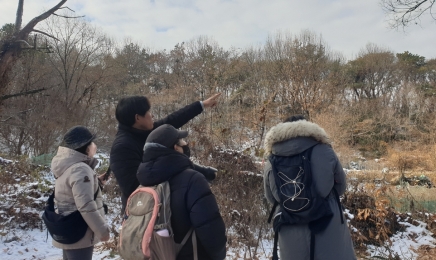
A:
(298, 200)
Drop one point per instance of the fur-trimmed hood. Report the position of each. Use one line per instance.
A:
(285, 131)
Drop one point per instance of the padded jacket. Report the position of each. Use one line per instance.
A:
(128, 146)
(75, 186)
(192, 201)
(334, 243)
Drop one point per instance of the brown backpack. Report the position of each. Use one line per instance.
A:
(146, 231)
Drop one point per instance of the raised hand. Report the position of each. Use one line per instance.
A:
(212, 101)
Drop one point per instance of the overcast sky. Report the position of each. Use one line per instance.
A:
(345, 25)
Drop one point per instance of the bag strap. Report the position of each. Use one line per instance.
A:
(312, 245)
(276, 240)
(273, 209)
(194, 245)
(194, 241)
(185, 239)
(50, 201)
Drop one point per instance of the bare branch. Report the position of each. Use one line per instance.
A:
(29, 27)
(46, 34)
(34, 91)
(404, 12)
(66, 7)
(69, 17)
(26, 43)
(21, 112)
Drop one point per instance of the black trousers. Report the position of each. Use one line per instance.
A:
(78, 254)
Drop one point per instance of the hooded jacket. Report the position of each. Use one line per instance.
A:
(292, 138)
(127, 148)
(192, 201)
(75, 186)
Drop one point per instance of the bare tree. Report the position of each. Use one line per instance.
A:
(405, 12)
(302, 70)
(12, 47)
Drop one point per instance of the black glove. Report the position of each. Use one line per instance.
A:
(207, 171)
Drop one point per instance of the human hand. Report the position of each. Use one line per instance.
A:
(105, 237)
(212, 101)
(208, 172)
(102, 179)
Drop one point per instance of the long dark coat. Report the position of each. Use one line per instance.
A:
(334, 243)
(192, 201)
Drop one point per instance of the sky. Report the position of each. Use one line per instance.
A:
(345, 26)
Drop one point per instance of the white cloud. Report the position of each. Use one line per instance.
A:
(346, 26)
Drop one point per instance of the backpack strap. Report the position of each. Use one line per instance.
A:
(194, 242)
(194, 245)
(273, 209)
(276, 241)
(312, 245)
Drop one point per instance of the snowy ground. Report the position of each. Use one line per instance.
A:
(34, 244)
(16, 243)
(405, 243)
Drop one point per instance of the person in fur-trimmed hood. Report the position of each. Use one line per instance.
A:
(293, 137)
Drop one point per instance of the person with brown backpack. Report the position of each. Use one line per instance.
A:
(195, 218)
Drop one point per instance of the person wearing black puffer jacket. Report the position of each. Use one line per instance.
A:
(135, 124)
(166, 158)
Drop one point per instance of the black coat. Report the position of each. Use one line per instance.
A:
(192, 201)
(127, 148)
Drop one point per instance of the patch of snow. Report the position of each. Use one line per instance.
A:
(403, 243)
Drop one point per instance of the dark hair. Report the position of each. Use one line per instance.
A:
(294, 118)
(128, 107)
(83, 148)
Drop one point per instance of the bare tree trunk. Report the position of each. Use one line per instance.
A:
(19, 18)
(11, 48)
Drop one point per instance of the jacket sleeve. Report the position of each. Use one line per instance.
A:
(327, 172)
(82, 183)
(124, 163)
(340, 178)
(267, 178)
(181, 116)
(206, 218)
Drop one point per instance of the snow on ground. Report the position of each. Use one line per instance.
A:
(16, 244)
(403, 243)
(34, 244)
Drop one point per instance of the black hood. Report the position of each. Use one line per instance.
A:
(160, 164)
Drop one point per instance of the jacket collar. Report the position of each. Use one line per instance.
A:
(289, 130)
(161, 164)
(134, 131)
(65, 157)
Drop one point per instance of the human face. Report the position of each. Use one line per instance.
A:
(144, 122)
(91, 150)
(178, 146)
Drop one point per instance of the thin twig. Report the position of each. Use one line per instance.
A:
(66, 7)
(68, 17)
